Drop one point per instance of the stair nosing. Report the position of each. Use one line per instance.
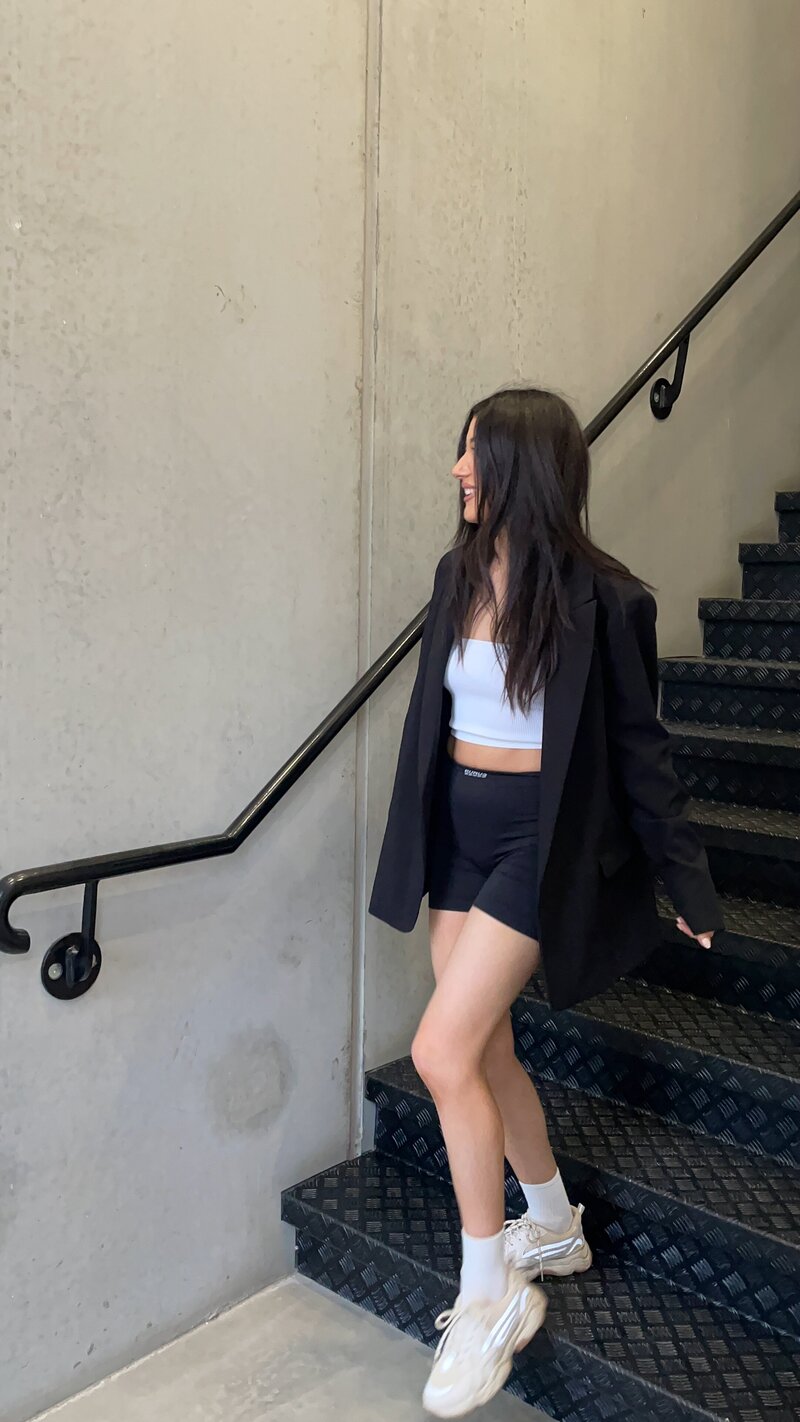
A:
(747, 609)
(783, 831)
(531, 996)
(701, 661)
(762, 736)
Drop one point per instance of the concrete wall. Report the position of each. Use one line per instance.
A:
(182, 189)
(559, 183)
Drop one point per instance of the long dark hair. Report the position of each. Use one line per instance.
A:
(533, 465)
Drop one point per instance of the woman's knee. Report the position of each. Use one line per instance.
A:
(444, 1062)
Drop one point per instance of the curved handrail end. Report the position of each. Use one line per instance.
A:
(12, 940)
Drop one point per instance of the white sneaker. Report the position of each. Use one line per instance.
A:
(532, 1249)
(474, 1355)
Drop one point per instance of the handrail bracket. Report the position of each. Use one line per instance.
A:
(664, 393)
(71, 965)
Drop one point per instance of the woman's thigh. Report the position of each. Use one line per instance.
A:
(481, 971)
(444, 926)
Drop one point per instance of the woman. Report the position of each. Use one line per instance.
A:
(533, 797)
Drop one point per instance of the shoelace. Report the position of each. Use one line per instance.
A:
(524, 1226)
(450, 1316)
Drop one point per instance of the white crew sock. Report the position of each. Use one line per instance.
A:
(484, 1272)
(548, 1204)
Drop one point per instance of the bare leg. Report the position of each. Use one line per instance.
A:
(487, 967)
(527, 1146)
(526, 1143)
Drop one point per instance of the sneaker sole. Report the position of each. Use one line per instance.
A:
(577, 1264)
(529, 1327)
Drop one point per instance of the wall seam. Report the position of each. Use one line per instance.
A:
(369, 360)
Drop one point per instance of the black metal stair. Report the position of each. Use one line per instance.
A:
(697, 1211)
(787, 507)
(754, 964)
(749, 845)
(618, 1343)
(770, 570)
(724, 691)
(729, 765)
(752, 628)
(673, 1099)
(700, 1064)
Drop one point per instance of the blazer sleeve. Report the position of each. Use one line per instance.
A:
(640, 751)
(427, 633)
(399, 881)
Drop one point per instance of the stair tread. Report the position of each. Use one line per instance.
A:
(748, 609)
(781, 824)
(615, 1313)
(771, 932)
(730, 671)
(737, 736)
(727, 1035)
(695, 1170)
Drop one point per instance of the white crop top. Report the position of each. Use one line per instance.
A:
(480, 710)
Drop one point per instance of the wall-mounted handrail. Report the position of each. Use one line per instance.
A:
(71, 965)
(683, 330)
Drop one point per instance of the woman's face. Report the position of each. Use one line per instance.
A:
(467, 474)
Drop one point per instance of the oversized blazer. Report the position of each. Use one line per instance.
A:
(612, 812)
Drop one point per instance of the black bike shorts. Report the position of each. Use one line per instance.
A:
(484, 841)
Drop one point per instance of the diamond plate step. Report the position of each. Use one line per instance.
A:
(697, 1211)
(784, 551)
(746, 844)
(699, 1064)
(755, 628)
(725, 691)
(748, 609)
(748, 827)
(754, 964)
(766, 933)
(617, 1346)
(770, 570)
(737, 765)
(787, 507)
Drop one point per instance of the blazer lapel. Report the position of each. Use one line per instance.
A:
(563, 699)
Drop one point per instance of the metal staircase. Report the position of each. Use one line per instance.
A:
(673, 1099)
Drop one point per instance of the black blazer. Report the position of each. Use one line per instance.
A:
(611, 809)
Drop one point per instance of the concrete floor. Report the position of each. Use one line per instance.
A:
(294, 1353)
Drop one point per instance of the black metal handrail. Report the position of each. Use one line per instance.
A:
(72, 964)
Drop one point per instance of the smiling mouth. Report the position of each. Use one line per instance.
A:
(468, 493)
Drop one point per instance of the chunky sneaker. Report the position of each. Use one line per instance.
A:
(474, 1355)
(532, 1249)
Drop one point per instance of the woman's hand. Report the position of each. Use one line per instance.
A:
(704, 938)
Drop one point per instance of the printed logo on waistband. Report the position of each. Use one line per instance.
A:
(480, 773)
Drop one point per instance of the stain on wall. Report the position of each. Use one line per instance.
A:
(250, 1085)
